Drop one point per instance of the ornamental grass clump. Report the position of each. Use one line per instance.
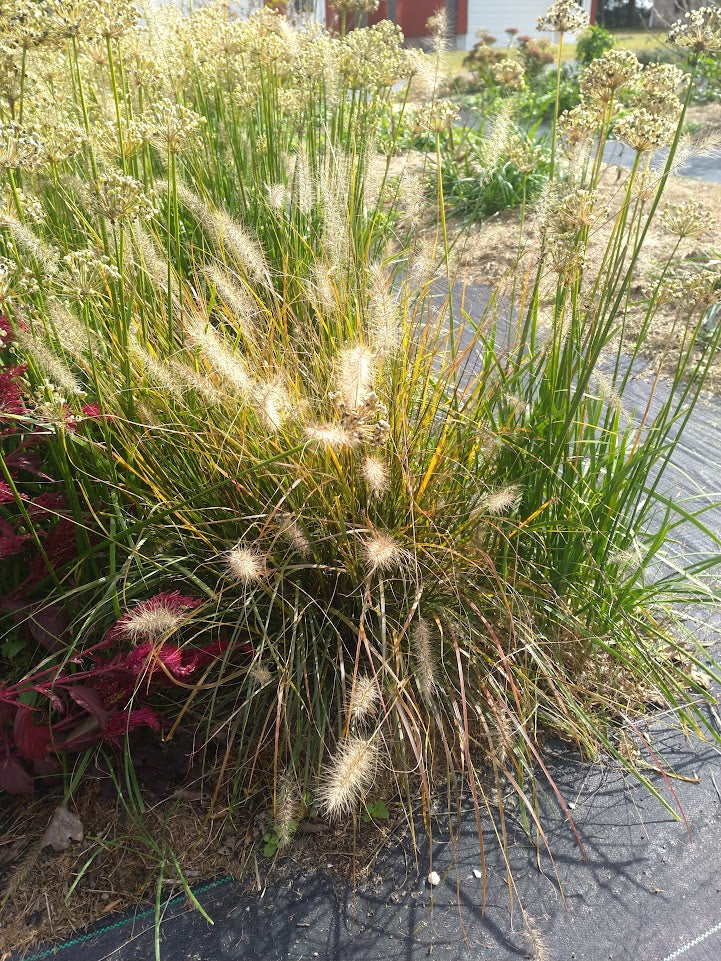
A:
(262, 482)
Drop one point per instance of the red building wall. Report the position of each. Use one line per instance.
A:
(411, 15)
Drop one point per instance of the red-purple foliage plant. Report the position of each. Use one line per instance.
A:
(99, 695)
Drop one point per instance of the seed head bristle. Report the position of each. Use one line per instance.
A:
(245, 565)
(503, 500)
(235, 298)
(330, 435)
(292, 532)
(286, 811)
(364, 699)
(381, 552)
(356, 369)
(52, 365)
(348, 776)
(229, 365)
(375, 473)
(424, 659)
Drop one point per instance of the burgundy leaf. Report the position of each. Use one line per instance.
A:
(89, 699)
(123, 722)
(28, 460)
(50, 694)
(7, 713)
(32, 740)
(45, 505)
(13, 777)
(47, 625)
(11, 543)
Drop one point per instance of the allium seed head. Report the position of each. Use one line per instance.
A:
(607, 74)
(644, 130)
(698, 31)
(688, 219)
(563, 16)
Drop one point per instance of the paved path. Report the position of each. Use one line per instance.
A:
(705, 166)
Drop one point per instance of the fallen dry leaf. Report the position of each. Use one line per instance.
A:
(63, 828)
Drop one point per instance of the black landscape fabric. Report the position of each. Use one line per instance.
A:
(649, 888)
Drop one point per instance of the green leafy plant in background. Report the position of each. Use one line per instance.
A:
(592, 43)
(499, 168)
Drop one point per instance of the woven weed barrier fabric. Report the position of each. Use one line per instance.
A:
(649, 888)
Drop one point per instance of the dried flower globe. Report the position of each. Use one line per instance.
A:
(689, 219)
(643, 130)
(509, 73)
(121, 198)
(658, 89)
(563, 16)
(698, 31)
(20, 149)
(608, 74)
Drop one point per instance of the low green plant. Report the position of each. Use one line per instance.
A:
(487, 171)
(592, 43)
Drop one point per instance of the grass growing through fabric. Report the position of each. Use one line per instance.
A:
(260, 484)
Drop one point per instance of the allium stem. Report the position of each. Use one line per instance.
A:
(555, 110)
(23, 74)
(116, 98)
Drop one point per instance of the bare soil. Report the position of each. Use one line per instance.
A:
(116, 867)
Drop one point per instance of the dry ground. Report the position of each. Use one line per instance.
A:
(114, 867)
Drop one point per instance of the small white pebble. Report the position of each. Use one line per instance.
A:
(478, 875)
(434, 879)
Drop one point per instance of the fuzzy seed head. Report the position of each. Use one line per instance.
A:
(260, 674)
(382, 552)
(245, 565)
(286, 811)
(356, 369)
(330, 435)
(150, 619)
(424, 661)
(292, 532)
(375, 473)
(348, 777)
(364, 699)
(503, 500)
